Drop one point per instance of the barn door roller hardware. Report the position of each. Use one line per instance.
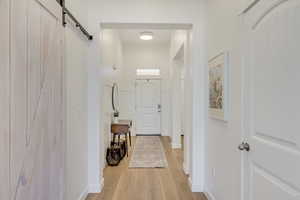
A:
(65, 12)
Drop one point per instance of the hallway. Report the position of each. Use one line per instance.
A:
(148, 184)
(75, 74)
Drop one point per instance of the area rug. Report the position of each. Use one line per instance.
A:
(148, 152)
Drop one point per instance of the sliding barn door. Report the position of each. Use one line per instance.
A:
(37, 140)
(4, 99)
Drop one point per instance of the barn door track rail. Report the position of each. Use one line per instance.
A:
(65, 12)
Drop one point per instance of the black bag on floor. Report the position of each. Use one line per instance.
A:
(123, 149)
(113, 156)
(115, 153)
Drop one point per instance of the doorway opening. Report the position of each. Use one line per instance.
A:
(149, 64)
(179, 103)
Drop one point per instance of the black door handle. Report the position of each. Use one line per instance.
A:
(244, 147)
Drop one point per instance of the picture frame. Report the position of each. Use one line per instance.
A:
(218, 86)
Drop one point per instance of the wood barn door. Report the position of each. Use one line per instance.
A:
(36, 82)
(4, 99)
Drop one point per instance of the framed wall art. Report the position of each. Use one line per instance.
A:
(218, 86)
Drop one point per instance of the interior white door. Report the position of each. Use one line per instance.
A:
(182, 96)
(272, 114)
(37, 138)
(148, 107)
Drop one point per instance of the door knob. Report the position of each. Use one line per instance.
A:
(244, 147)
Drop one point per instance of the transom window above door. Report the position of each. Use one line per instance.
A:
(148, 72)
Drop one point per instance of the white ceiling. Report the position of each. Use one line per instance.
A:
(133, 36)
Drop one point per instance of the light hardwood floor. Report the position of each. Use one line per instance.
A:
(148, 184)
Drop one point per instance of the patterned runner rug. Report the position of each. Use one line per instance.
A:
(148, 152)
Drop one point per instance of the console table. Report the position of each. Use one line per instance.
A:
(122, 127)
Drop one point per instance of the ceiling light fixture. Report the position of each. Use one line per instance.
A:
(146, 36)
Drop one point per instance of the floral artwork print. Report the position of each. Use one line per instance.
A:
(217, 86)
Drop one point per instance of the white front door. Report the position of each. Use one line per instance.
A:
(271, 104)
(148, 107)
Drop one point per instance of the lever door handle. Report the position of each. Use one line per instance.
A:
(244, 146)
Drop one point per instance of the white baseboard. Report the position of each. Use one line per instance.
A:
(84, 194)
(176, 146)
(165, 133)
(185, 170)
(193, 187)
(102, 184)
(209, 195)
(190, 183)
(96, 188)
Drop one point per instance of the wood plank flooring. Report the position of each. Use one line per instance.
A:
(148, 184)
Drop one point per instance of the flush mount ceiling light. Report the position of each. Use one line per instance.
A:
(146, 35)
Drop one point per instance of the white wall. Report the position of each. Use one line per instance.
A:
(142, 11)
(76, 46)
(177, 59)
(100, 78)
(111, 54)
(175, 104)
(144, 56)
(223, 161)
(112, 65)
(178, 38)
(180, 45)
